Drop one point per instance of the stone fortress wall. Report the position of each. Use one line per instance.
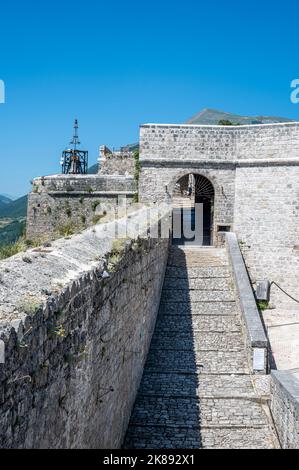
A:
(120, 162)
(77, 327)
(255, 173)
(60, 203)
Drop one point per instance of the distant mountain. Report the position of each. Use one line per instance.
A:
(130, 147)
(93, 170)
(4, 200)
(14, 209)
(11, 231)
(213, 116)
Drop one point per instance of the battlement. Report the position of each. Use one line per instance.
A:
(116, 162)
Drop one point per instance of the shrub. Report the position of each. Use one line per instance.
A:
(95, 204)
(6, 251)
(67, 229)
(29, 305)
(68, 210)
(262, 305)
(96, 218)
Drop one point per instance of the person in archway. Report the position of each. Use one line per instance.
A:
(189, 191)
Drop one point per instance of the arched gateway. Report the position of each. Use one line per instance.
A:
(193, 208)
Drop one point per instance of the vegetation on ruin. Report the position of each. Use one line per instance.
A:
(89, 189)
(29, 305)
(118, 247)
(262, 305)
(67, 229)
(68, 210)
(136, 172)
(226, 122)
(97, 218)
(95, 204)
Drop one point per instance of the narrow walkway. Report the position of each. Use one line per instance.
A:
(196, 390)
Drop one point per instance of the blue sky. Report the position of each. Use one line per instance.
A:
(115, 65)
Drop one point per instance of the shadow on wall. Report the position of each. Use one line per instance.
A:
(166, 413)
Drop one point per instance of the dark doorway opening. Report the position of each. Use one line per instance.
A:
(193, 206)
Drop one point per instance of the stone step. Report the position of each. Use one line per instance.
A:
(179, 295)
(184, 262)
(196, 390)
(190, 412)
(202, 362)
(162, 437)
(197, 341)
(198, 308)
(200, 272)
(198, 284)
(192, 260)
(208, 386)
(194, 323)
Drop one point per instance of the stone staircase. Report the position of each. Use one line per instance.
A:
(197, 390)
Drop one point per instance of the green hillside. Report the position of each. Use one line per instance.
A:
(4, 200)
(11, 231)
(93, 170)
(14, 209)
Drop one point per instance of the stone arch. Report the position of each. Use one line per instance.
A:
(201, 172)
(209, 201)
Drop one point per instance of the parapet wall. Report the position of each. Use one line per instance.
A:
(77, 325)
(192, 142)
(60, 203)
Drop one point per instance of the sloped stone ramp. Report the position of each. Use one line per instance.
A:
(196, 390)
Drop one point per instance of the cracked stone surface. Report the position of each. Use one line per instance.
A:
(197, 390)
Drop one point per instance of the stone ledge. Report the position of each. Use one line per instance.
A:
(258, 343)
(226, 128)
(219, 163)
(91, 194)
(288, 383)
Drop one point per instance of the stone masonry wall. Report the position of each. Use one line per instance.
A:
(113, 164)
(255, 173)
(183, 142)
(58, 204)
(77, 325)
(285, 408)
(266, 221)
(157, 184)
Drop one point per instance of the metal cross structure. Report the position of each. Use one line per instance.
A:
(73, 160)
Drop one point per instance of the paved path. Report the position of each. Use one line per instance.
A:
(196, 390)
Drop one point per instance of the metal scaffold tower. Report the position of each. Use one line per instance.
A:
(73, 160)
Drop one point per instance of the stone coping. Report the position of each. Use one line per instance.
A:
(218, 127)
(92, 194)
(28, 277)
(257, 340)
(289, 383)
(176, 162)
(247, 300)
(87, 176)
